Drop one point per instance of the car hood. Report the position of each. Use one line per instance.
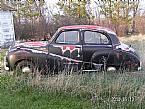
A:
(32, 45)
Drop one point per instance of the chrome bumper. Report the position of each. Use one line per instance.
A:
(140, 67)
(6, 64)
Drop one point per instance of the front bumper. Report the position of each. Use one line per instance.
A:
(140, 67)
(6, 65)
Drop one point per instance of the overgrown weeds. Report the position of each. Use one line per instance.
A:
(96, 90)
(2, 54)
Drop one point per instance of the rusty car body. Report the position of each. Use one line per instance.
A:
(85, 47)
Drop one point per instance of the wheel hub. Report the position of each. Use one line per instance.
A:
(26, 70)
(111, 69)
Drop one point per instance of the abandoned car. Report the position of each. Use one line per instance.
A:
(78, 47)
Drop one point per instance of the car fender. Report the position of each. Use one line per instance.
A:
(132, 57)
(15, 57)
(108, 54)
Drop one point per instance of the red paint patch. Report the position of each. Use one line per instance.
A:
(87, 27)
(34, 44)
(69, 47)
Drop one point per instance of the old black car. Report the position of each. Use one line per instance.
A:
(78, 47)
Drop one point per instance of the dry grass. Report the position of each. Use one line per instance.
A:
(133, 38)
(104, 88)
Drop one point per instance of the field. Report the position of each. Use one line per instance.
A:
(97, 90)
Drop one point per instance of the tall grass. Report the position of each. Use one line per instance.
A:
(2, 54)
(85, 91)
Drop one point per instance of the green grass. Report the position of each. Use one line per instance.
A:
(2, 54)
(87, 91)
(16, 94)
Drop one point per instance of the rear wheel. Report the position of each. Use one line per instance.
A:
(103, 61)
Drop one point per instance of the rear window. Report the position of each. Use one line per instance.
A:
(93, 37)
(114, 39)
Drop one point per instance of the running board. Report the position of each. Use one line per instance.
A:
(90, 70)
(97, 66)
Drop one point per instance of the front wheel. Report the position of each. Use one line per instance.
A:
(25, 67)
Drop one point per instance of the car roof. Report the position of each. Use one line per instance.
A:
(88, 27)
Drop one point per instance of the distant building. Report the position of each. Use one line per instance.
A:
(7, 34)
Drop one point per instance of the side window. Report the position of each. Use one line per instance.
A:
(68, 37)
(92, 37)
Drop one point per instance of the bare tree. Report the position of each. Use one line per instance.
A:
(118, 13)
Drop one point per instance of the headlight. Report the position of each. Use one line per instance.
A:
(6, 64)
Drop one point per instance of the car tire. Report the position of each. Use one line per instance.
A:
(25, 67)
(105, 66)
(103, 60)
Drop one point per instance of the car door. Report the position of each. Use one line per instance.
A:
(67, 47)
(95, 43)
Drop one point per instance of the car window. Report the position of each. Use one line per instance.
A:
(92, 37)
(68, 37)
